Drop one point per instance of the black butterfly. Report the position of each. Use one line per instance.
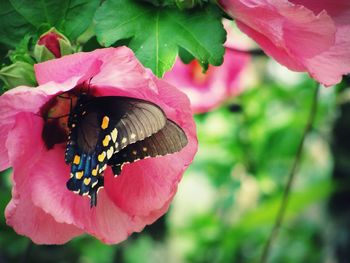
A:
(115, 131)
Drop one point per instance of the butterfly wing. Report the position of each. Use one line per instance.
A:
(102, 127)
(168, 140)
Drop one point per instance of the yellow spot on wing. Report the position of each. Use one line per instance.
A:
(94, 171)
(101, 156)
(134, 152)
(110, 152)
(124, 140)
(105, 122)
(76, 159)
(106, 140)
(87, 181)
(79, 175)
(144, 149)
(114, 134)
(133, 136)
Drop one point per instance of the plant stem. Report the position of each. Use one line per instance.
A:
(291, 176)
(253, 52)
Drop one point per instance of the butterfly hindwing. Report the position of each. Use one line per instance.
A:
(168, 140)
(101, 127)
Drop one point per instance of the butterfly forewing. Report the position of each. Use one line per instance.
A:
(168, 140)
(101, 127)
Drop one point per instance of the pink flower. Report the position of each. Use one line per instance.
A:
(207, 91)
(304, 35)
(42, 208)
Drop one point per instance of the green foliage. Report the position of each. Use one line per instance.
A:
(157, 33)
(22, 52)
(254, 149)
(17, 74)
(20, 17)
(13, 26)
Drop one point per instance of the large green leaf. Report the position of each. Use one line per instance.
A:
(13, 26)
(156, 33)
(20, 17)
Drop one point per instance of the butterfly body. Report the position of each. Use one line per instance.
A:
(114, 131)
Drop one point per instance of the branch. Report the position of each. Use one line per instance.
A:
(253, 52)
(291, 176)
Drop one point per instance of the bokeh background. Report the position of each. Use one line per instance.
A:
(227, 201)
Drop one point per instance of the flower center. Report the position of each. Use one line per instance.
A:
(196, 73)
(55, 113)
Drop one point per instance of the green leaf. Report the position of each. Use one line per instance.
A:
(156, 33)
(21, 53)
(185, 56)
(17, 74)
(20, 17)
(13, 26)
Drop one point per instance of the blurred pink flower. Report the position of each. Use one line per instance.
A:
(207, 91)
(304, 35)
(42, 208)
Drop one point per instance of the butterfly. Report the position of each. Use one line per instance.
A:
(113, 131)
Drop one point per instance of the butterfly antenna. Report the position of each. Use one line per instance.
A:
(63, 97)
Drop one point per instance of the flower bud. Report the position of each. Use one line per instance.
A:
(17, 74)
(52, 44)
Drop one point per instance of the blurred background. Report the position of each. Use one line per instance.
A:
(227, 201)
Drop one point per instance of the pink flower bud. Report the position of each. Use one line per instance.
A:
(50, 45)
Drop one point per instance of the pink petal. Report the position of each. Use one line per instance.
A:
(31, 221)
(78, 65)
(308, 38)
(125, 73)
(25, 147)
(8, 113)
(339, 10)
(5, 128)
(212, 88)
